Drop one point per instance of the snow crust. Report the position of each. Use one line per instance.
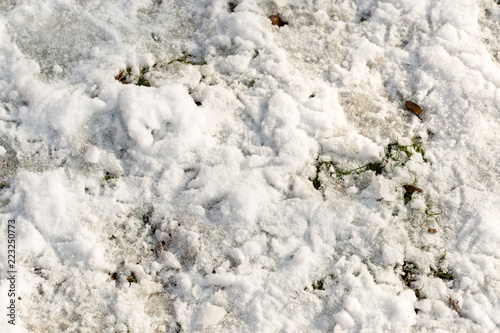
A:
(189, 205)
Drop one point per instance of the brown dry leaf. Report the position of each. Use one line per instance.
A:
(432, 230)
(122, 76)
(158, 249)
(412, 189)
(276, 20)
(414, 108)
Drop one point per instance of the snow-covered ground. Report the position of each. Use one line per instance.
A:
(187, 166)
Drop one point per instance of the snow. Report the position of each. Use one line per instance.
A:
(92, 155)
(238, 190)
(210, 315)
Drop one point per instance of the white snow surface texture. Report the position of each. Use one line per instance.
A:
(219, 198)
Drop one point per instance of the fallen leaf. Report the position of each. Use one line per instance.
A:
(276, 20)
(412, 189)
(414, 108)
